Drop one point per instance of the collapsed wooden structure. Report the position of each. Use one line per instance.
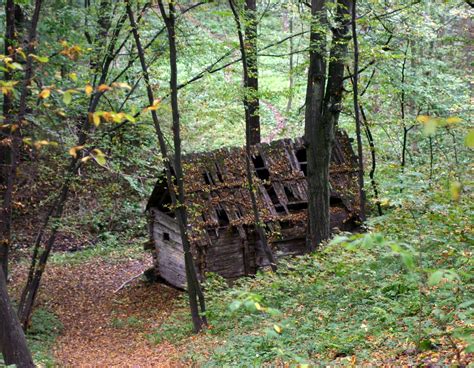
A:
(221, 221)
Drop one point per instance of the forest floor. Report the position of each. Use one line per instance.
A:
(103, 327)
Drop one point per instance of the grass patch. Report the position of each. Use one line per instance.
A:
(176, 328)
(44, 330)
(109, 246)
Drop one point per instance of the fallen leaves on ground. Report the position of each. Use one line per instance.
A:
(83, 297)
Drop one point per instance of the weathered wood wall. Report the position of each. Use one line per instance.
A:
(169, 256)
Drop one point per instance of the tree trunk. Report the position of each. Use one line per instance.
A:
(360, 151)
(251, 98)
(12, 338)
(194, 290)
(249, 128)
(370, 139)
(291, 67)
(323, 107)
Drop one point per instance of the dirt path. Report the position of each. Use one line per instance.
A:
(103, 328)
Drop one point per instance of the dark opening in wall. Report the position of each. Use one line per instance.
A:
(274, 197)
(289, 194)
(218, 172)
(260, 169)
(297, 206)
(222, 217)
(208, 178)
(166, 236)
(286, 225)
(334, 201)
(238, 211)
(302, 160)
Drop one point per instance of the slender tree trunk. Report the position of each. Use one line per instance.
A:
(194, 290)
(249, 141)
(194, 287)
(402, 111)
(370, 139)
(37, 267)
(323, 106)
(14, 148)
(291, 67)
(360, 151)
(251, 98)
(316, 131)
(7, 155)
(12, 338)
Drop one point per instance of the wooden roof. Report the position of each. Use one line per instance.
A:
(217, 193)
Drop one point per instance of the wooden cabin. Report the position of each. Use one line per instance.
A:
(221, 222)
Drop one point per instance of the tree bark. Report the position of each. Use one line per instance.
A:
(6, 154)
(250, 138)
(12, 338)
(323, 106)
(248, 50)
(370, 139)
(360, 151)
(290, 67)
(251, 99)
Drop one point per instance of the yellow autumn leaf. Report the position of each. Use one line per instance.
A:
(88, 89)
(453, 120)
(278, 329)
(41, 143)
(85, 159)
(121, 85)
(20, 52)
(45, 93)
(259, 307)
(423, 118)
(118, 117)
(155, 105)
(103, 88)
(73, 150)
(455, 190)
(94, 118)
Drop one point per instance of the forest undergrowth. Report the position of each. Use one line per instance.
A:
(401, 293)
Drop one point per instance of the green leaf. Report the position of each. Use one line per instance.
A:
(16, 66)
(469, 140)
(99, 156)
(235, 305)
(67, 97)
(436, 277)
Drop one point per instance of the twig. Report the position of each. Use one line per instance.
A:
(128, 282)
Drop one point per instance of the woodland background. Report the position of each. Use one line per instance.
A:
(399, 293)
